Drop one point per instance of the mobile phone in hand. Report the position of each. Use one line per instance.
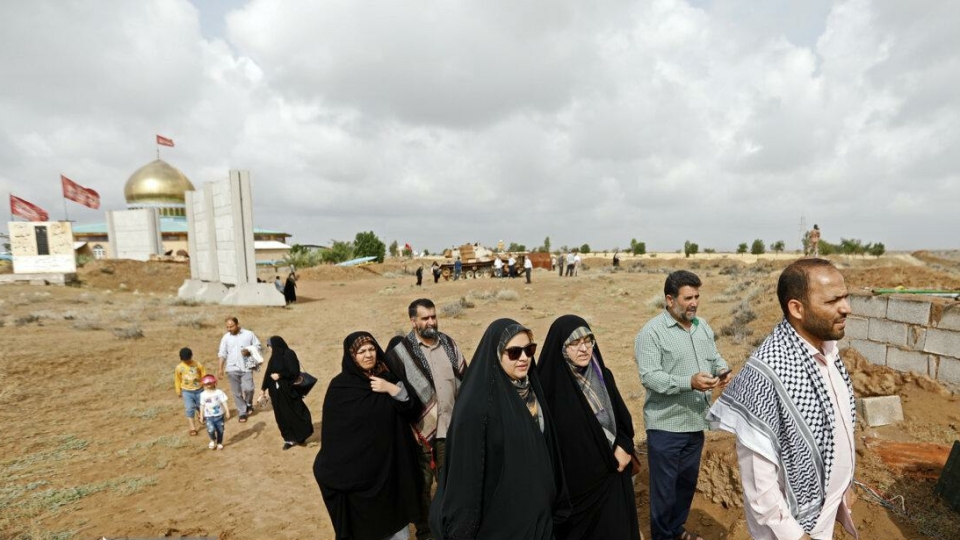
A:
(724, 374)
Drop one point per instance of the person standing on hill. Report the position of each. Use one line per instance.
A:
(813, 238)
(527, 267)
(235, 348)
(679, 366)
(420, 276)
(457, 269)
(792, 410)
(431, 365)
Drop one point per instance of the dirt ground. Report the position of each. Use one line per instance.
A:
(95, 443)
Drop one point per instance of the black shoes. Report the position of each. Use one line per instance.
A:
(287, 446)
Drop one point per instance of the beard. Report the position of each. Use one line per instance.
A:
(430, 332)
(822, 328)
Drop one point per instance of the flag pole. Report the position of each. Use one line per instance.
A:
(66, 214)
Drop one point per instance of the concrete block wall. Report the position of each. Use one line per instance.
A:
(907, 333)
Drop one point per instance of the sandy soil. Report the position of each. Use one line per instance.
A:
(95, 442)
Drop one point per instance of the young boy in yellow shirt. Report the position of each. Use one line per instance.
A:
(186, 380)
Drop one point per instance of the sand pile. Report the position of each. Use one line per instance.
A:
(873, 380)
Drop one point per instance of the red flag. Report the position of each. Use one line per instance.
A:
(79, 194)
(24, 209)
(164, 141)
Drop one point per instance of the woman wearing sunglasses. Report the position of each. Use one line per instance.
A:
(502, 478)
(367, 465)
(595, 436)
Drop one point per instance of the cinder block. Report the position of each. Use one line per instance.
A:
(884, 331)
(901, 360)
(875, 353)
(856, 328)
(913, 311)
(944, 342)
(881, 410)
(950, 320)
(868, 305)
(916, 337)
(949, 370)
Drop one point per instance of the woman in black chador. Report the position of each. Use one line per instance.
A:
(595, 436)
(290, 289)
(367, 466)
(502, 478)
(292, 415)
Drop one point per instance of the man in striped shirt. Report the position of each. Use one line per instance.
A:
(679, 367)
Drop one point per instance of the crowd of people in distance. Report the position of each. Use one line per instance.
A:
(535, 442)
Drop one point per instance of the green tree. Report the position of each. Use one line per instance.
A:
(758, 247)
(585, 249)
(742, 248)
(546, 246)
(394, 249)
(852, 246)
(777, 246)
(338, 252)
(516, 247)
(637, 248)
(690, 248)
(877, 249)
(426, 253)
(366, 244)
(298, 248)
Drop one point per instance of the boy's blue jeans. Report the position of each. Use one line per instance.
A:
(215, 428)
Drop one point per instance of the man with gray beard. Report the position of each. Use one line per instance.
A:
(431, 365)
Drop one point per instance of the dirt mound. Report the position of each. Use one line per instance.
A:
(719, 479)
(873, 380)
(124, 275)
(907, 276)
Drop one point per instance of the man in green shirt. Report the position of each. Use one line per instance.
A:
(679, 367)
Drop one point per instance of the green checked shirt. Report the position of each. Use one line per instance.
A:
(667, 356)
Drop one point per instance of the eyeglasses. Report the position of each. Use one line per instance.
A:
(586, 342)
(513, 353)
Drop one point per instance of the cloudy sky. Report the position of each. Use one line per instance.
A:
(443, 122)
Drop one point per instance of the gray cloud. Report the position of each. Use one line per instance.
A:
(710, 121)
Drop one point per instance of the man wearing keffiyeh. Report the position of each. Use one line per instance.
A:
(432, 366)
(792, 410)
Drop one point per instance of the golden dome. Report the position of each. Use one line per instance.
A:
(157, 184)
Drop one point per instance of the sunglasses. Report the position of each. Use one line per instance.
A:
(513, 353)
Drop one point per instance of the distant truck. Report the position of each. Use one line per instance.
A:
(478, 261)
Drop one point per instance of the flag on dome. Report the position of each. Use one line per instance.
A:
(27, 210)
(79, 194)
(161, 140)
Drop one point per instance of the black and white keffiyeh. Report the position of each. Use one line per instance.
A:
(779, 407)
(418, 374)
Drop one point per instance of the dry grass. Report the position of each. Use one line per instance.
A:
(130, 332)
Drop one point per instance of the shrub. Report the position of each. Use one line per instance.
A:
(87, 323)
(190, 321)
(453, 309)
(130, 332)
(507, 294)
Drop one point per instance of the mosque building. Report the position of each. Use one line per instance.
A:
(162, 186)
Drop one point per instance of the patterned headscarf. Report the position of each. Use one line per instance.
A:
(590, 380)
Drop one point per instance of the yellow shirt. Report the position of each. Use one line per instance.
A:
(187, 376)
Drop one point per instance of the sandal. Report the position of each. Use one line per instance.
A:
(687, 535)
(193, 432)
